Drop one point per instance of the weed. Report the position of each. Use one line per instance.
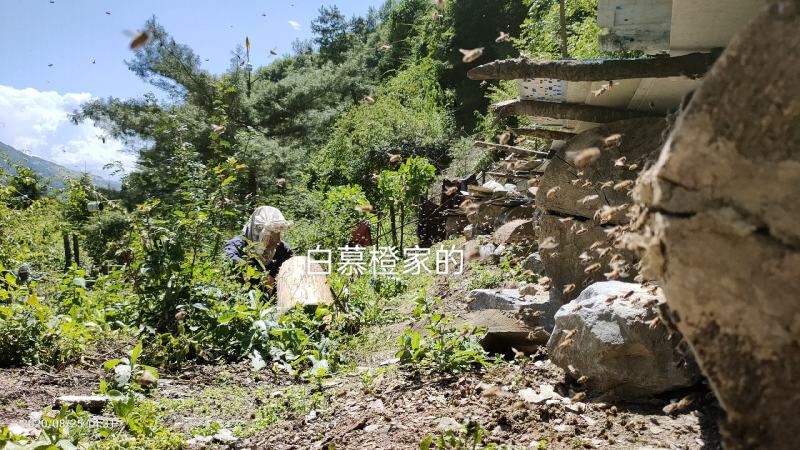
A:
(471, 436)
(443, 348)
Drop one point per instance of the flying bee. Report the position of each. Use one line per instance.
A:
(471, 55)
(592, 268)
(553, 191)
(569, 333)
(545, 281)
(582, 380)
(606, 184)
(612, 141)
(217, 129)
(584, 157)
(582, 230)
(579, 396)
(588, 199)
(620, 162)
(504, 37)
(603, 89)
(505, 138)
(568, 288)
(586, 184)
(395, 157)
(386, 47)
(280, 182)
(602, 252)
(440, 3)
(633, 167)
(585, 258)
(368, 99)
(375, 177)
(565, 219)
(140, 39)
(548, 243)
(451, 191)
(364, 209)
(623, 185)
(628, 294)
(611, 298)
(565, 343)
(575, 181)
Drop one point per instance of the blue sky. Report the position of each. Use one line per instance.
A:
(71, 34)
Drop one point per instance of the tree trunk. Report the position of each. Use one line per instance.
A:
(725, 242)
(67, 252)
(562, 17)
(693, 65)
(569, 111)
(393, 223)
(76, 251)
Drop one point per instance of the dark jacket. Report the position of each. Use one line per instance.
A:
(234, 251)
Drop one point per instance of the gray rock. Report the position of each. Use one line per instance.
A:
(512, 320)
(533, 263)
(619, 344)
(520, 231)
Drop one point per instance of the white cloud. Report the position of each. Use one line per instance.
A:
(36, 122)
(295, 24)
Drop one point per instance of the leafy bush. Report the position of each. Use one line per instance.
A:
(104, 234)
(24, 187)
(22, 331)
(125, 375)
(331, 220)
(471, 436)
(443, 348)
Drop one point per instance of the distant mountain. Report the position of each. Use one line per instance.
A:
(54, 173)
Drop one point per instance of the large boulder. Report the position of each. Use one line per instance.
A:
(571, 264)
(563, 191)
(612, 334)
(725, 243)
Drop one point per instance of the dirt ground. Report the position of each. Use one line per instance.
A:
(379, 406)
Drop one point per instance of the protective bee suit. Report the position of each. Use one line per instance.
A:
(261, 235)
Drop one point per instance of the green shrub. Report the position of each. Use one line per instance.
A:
(442, 348)
(22, 331)
(104, 234)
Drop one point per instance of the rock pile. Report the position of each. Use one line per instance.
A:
(584, 193)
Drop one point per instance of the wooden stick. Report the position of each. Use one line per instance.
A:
(543, 133)
(67, 252)
(568, 111)
(693, 65)
(509, 149)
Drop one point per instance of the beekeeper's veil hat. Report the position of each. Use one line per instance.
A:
(264, 218)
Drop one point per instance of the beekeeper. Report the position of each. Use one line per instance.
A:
(260, 243)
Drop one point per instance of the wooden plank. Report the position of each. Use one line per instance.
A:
(634, 25)
(569, 111)
(693, 65)
(509, 149)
